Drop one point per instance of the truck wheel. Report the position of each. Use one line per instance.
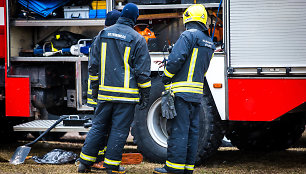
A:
(268, 136)
(211, 130)
(150, 129)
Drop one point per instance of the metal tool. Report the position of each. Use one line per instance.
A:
(22, 151)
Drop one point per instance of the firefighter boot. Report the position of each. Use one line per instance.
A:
(83, 168)
(120, 170)
(161, 171)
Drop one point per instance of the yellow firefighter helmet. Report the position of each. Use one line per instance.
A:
(195, 12)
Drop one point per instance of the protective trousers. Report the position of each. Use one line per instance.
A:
(117, 115)
(183, 140)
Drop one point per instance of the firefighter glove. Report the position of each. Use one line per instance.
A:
(166, 80)
(167, 105)
(144, 97)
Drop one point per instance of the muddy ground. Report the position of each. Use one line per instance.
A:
(227, 160)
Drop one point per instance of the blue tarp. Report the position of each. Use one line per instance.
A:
(43, 7)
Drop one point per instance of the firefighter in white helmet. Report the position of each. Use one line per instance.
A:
(184, 73)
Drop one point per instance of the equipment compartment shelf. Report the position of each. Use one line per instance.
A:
(49, 59)
(58, 22)
(169, 6)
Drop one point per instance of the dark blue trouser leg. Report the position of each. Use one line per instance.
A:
(193, 138)
(103, 145)
(122, 118)
(182, 143)
(96, 135)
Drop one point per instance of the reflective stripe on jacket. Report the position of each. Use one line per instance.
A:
(188, 63)
(91, 101)
(120, 60)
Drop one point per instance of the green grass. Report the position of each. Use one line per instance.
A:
(227, 160)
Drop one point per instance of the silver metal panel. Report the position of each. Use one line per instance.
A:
(71, 98)
(42, 125)
(169, 6)
(59, 22)
(266, 33)
(78, 81)
(269, 71)
(7, 37)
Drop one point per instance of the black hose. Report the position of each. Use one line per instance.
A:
(48, 130)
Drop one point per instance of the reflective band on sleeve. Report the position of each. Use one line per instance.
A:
(89, 91)
(187, 84)
(119, 89)
(87, 157)
(103, 58)
(168, 74)
(91, 101)
(145, 85)
(192, 64)
(93, 77)
(126, 67)
(110, 98)
(111, 162)
(189, 167)
(185, 89)
(175, 165)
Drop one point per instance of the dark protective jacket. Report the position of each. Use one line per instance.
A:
(91, 99)
(188, 62)
(119, 63)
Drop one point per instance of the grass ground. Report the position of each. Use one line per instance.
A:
(228, 160)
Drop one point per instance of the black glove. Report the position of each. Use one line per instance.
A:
(166, 80)
(167, 105)
(144, 97)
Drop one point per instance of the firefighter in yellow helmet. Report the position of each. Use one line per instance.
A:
(184, 73)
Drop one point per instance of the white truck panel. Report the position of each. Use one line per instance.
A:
(157, 57)
(216, 74)
(267, 33)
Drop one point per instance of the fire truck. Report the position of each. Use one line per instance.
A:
(254, 91)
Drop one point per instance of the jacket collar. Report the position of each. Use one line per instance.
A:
(126, 21)
(196, 25)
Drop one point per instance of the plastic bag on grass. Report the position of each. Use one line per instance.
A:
(56, 156)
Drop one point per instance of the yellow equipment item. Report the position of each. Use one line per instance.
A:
(97, 5)
(195, 12)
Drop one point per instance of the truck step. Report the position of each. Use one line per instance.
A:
(42, 125)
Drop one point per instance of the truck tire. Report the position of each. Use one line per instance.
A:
(150, 128)
(268, 136)
(211, 130)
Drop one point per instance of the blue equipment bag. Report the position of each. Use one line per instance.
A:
(43, 7)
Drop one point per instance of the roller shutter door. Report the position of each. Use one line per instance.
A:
(266, 33)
